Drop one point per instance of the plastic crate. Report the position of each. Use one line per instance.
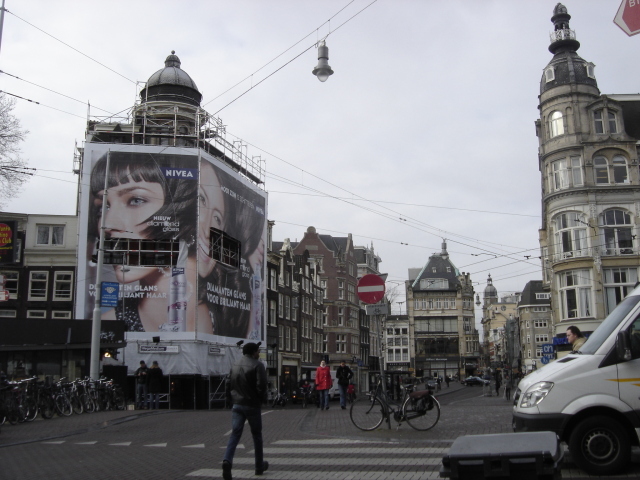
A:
(530, 455)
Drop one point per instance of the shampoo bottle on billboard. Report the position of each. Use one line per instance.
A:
(178, 294)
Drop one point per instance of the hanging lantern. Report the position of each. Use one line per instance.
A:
(323, 70)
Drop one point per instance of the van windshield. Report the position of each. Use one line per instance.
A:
(609, 324)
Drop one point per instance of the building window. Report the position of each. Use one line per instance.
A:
(540, 338)
(273, 279)
(598, 121)
(341, 343)
(224, 248)
(556, 125)
(620, 173)
(567, 173)
(280, 305)
(571, 235)
(352, 292)
(294, 339)
(601, 170)
(616, 230)
(325, 316)
(540, 324)
(543, 296)
(591, 70)
(50, 235)
(273, 313)
(7, 314)
(340, 316)
(325, 343)
(38, 282)
(142, 253)
(613, 125)
(60, 315)
(287, 307)
(538, 352)
(341, 289)
(11, 283)
(549, 74)
(36, 313)
(575, 294)
(618, 282)
(280, 335)
(62, 285)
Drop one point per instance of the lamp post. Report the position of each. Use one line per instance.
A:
(323, 70)
(94, 364)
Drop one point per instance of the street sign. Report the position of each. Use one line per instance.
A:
(109, 294)
(370, 288)
(544, 360)
(547, 348)
(377, 309)
(628, 17)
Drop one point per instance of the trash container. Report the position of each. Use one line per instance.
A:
(529, 455)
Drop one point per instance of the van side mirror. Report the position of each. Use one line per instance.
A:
(623, 346)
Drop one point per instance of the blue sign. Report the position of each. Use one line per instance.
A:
(547, 348)
(544, 360)
(109, 294)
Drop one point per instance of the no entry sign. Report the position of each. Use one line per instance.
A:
(371, 288)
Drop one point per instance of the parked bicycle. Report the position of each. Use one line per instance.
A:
(419, 409)
(279, 399)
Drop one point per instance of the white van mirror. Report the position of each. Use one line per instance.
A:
(623, 346)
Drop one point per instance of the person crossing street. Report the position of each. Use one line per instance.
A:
(344, 375)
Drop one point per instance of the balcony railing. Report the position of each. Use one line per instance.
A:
(564, 34)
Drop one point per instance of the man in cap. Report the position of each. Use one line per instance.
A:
(248, 379)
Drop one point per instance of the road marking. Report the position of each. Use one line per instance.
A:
(240, 445)
(199, 445)
(156, 445)
(122, 444)
(87, 443)
(55, 443)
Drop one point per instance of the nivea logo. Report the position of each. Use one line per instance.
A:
(185, 173)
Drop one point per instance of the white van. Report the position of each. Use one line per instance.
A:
(591, 399)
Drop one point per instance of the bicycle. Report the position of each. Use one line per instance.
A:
(419, 409)
(279, 399)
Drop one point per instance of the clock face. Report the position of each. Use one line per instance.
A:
(503, 308)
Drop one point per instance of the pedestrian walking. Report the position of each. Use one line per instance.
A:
(323, 384)
(343, 374)
(508, 383)
(575, 338)
(447, 379)
(155, 384)
(248, 392)
(498, 384)
(141, 385)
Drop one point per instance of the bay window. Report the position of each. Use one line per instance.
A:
(575, 294)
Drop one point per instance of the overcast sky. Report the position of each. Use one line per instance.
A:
(424, 132)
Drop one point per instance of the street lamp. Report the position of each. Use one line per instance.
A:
(323, 70)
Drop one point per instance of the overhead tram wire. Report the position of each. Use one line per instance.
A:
(72, 48)
(278, 56)
(57, 93)
(294, 58)
(42, 104)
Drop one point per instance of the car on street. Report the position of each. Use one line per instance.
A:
(470, 381)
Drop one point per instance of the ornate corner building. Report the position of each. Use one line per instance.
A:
(588, 160)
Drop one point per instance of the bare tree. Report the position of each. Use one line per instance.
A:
(12, 168)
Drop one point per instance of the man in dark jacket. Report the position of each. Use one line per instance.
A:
(343, 374)
(141, 385)
(248, 379)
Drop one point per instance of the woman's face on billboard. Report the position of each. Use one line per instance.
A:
(212, 214)
(129, 205)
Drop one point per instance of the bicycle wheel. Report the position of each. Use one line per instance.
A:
(47, 407)
(367, 415)
(421, 413)
(63, 406)
(32, 409)
(119, 401)
(76, 405)
(87, 403)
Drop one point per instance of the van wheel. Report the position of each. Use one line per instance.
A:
(600, 446)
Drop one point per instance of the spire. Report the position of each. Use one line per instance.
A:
(172, 60)
(444, 248)
(562, 37)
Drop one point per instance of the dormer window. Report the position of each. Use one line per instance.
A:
(549, 74)
(591, 70)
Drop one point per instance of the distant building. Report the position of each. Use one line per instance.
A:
(496, 312)
(441, 318)
(535, 329)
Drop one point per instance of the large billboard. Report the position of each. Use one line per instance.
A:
(184, 240)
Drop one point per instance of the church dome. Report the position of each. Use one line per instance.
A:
(490, 290)
(171, 83)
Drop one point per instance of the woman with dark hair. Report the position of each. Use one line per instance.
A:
(144, 203)
(229, 207)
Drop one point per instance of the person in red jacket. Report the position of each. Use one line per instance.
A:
(323, 384)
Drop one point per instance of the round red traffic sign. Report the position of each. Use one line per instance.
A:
(371, 288)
